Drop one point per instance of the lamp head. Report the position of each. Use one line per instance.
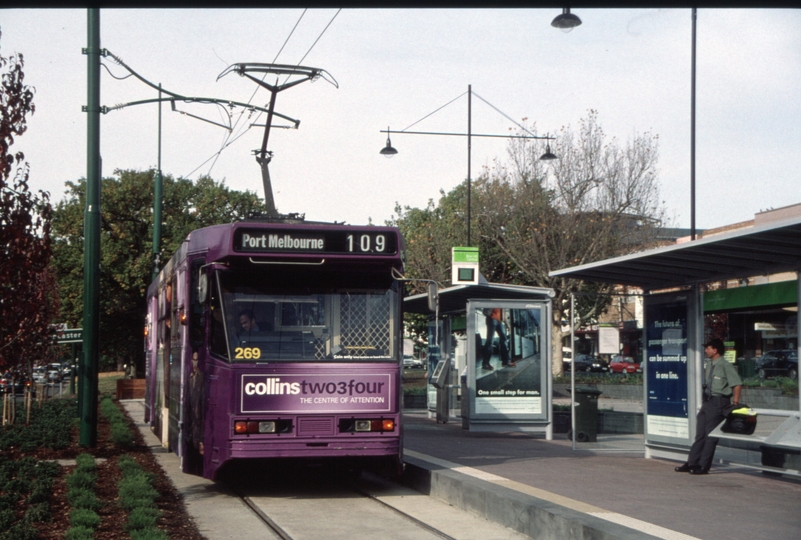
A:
(548, 155)
(388, 151)
(566, 21)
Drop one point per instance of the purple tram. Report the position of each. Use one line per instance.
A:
(277, 340)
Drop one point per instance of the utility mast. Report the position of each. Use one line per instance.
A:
(294, 76)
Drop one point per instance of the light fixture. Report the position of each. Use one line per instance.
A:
(388, 151)
(548, 155)
(566, 21)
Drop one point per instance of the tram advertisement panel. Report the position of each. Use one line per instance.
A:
(508, 362)
(666, 369)
(309, 393)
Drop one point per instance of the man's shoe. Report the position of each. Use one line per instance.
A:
(683, 468)
(511, 364)
(489, 367)
(698, 470)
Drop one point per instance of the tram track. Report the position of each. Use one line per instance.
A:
(328, 512)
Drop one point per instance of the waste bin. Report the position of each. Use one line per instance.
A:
(586, 411)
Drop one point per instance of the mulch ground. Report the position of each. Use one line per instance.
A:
(174, 520)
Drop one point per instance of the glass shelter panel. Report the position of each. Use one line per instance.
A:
(508, 354)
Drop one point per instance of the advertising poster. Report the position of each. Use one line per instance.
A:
(667, 370)
(508, 366)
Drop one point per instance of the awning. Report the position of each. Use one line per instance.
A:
(454, 299)
(754, 251)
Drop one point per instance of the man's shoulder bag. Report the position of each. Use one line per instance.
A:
(740, 419)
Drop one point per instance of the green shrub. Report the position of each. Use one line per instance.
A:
(18, 485)
(128, 465)
(80, 533)
(149, 534)
(83, 517)
(39, 513)
(20, 531)
(85, 462)
(50, 427)
(81, 479)
(40, 493)
(121, 435)
(142, 518)
(8, 500)
(7, 517)
(789, 386)
(83, 498)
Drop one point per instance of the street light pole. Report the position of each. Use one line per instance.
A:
(389, 151)
(692, 133)
(469, 150)
(87, 374)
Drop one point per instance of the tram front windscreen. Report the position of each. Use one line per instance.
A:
(254, 321)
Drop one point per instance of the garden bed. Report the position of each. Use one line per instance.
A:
(57, 417)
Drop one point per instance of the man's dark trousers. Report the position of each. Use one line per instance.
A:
(711, 414)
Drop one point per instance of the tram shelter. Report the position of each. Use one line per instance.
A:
(489, 356)
(671, 278)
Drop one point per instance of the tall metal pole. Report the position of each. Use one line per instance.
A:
(91, 260)
(157, 197)
(469, 150)
(692, 136)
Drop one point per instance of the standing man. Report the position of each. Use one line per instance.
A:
(722, 388)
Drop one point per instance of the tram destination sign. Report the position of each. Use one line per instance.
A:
(319, 241)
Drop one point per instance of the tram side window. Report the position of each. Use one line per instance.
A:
(197, 319)
(217, 339)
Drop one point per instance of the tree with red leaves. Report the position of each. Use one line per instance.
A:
(28, 298)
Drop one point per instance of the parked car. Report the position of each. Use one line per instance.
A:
(410, 362)
(54, 373)
(624, 365)
(781, 362)
(587, 363)
(39, 375)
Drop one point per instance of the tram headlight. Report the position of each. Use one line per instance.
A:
(266, 427)
(376, 424)
(247, 427)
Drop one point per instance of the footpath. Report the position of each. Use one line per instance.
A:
(545, 489)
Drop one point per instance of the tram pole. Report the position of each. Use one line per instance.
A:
(87, 373)
(157, 203)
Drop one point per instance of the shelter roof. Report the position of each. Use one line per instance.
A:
(760, 250)
(454, 299)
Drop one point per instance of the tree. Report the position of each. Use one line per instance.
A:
(126, 246)
(598, 200)
(28, 300)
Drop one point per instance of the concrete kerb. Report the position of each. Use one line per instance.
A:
(530, 515)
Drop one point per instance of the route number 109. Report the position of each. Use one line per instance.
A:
(367, 243)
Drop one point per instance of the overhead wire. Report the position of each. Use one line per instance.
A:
(506, 116)
(435, 111)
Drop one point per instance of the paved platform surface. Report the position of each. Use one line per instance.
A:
(634, 496)
(548, 490)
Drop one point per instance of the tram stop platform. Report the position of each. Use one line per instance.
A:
(547, 490)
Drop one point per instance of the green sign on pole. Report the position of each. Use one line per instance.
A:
(70, 335)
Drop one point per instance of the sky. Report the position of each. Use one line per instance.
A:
(395, 67)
